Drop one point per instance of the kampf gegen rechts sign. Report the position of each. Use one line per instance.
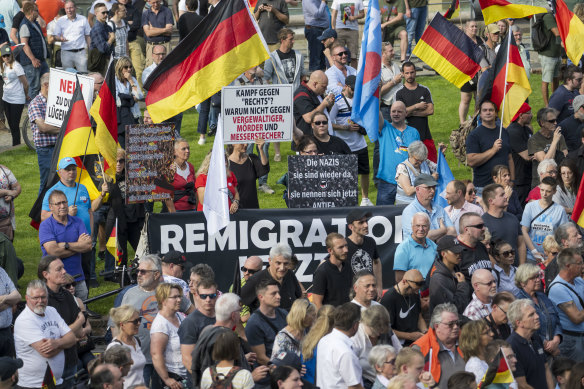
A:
(257, 112)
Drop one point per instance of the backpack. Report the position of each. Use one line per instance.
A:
(458, 138)
(540, 37)
(219, 381)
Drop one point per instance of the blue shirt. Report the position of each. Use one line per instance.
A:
(159, 20)
(545, 224)
(315, 13)
(393, 149)
(51, 230)
(435, 216)
(560, 294)
(412, 255)
(83, 202)
(549, 318)
(99, 35)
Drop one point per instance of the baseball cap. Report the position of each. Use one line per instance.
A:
(578, 102)
(65, 162)
(350, 81)
(287, 359)
(9, 366)
(425, 179)
(450, 243)
(358, 214)
(175, 257)
(492, 28)
(328, 33)
(5, 50)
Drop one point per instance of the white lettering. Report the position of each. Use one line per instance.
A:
(229, 236)
(243, 240)
(316, 234)
(387, 229)
(294, 235)
(166, 240)
(255, 236)
(192, 237)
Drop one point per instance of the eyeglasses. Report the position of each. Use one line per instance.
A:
(204, 296)
(71, 285)
(492, 282)
(390, 362)
(158, 53)
(502, 310)
(417, 283)
(552, 121)
(136, 321)
(471, 191)
(508, 253)
(6, 56)
(321, 123)
(478, 226)
(577, 263)
(59, 203)
(103, 13)
(128, 67)
(178, 296)
(250, 271)
(343, 53)
(145, 271)
(453, 323)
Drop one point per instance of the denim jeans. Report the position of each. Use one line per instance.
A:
(33, 76)
(69, 376)
(376, 163)
(386, 192)
(263, 179)
(415, 25)
(203, 109)
(44, 156)
(316, 56)
(177, 121)
(214, 116)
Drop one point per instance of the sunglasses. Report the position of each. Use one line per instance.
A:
(478, 226)
(471, 191)
(246, 270)
(135, 322)
(552, 121)
(128, 67)
(417, 283)
(212, 296)
(321, 123)
(71, 285)
(343, 53)
(5, 55)
(508, 253)
(390, 362)
(121, 161)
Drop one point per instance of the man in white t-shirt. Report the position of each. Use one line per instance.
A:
(345, 15)
(340, 69)
(40, 336)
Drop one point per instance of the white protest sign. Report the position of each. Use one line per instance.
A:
(61, 87)
(257, 112)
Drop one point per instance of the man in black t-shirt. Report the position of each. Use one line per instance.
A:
(363, 253)
(474, 255)
(519, 133)
(333, 278)
(308, 100)
(405, 309)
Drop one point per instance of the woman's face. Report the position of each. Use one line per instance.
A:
(320, 125)
(172, 302)
(120, 164)
(182, 151)
(471, 193)
(415, 161)
(503, 177)
(310, 149)
(471, 29)
(567, 175)
(292, 382)
(506, 254)
(70, 287)
(127, 70)
(533, 283)
(132, 326)
(388, 370)
(486, 337)
(7, 58)
(309, 318)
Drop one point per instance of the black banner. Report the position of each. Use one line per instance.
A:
(255, 232)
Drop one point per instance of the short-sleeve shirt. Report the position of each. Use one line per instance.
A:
(481, 139)
(335, 77)
(305, 100)
(7, 180)
(393, 149)
(108, 4)
(82, 201)
(387, 74)
(74, 31)
(473, 259)
(13, 89)
(518, 137)
(560, 294)
(335, 145)
(337, 364)
(331, 283)
(553, 47)
(341, 114)
(538, 143)
(572, 132)
(412, 255)
(191, 327)
(361, 256)
(159, 20)
(404, 311)
(414, 96)
(506, 228)
(172, 354)
(289, 289)
(545, 224)
(6, 287)
(435, 215)
(562, 100)
(268, 22)
(346, 8)
(259, 332)
(396, 7)
(530, 360)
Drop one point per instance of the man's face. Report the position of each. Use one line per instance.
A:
(194, 280)
(147, 275)
(175, 270)
(118, 381)
(37, 301)
(252, 266)
(366, 289)
(525, 118)
(320, 126)
(425, 194)
(279, 267)
(410, 74)
(574, 239)
(530, 319)
(549, 123)
(420, 227)
(398, 113)
(500, 200)
(415, 368)
(448, 329)
(68, 175)
(271, 297)
(518, 36)
(339, 249)
(551, 171)
(387, 54)
(500, 312)
(452, 196)
(510, 357)
(59, 206)
(488, 113)
(485, 287)
(575, 267)
(348, 91)
(476, 228)
(340, 56)
(320, 85)
(494, 37)
(547, 192)
(101, 14)
(155, 4)
(360, 227)
(56, 273)
(158, 54)
(576, 82)
(288, 43)
(472, 28)
(70, 10)
(205, 299)
(121, 12)
(328, 42)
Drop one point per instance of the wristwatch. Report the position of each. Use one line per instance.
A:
(66, 245)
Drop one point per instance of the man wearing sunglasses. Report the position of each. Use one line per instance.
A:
(474, 255)
(485, 288)
(102, 39)
(339, 71)
(251, 266)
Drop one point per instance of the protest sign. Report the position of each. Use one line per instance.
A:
(257, 112)
(256, 231)
(61, 87)
(149, 162)
(322, 181)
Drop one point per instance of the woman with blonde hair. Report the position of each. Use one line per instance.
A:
(299, 319)
(474, 338)
(322, 326)
(15, 93)
(128, 93)
(127, 321)
(201, 183)
(551, 248)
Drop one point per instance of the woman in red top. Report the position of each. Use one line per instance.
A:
(201, 183)
(184, 179)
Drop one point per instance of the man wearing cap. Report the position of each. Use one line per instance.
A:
(519, 133)
(333, 278)
(362, 249)
(563, 97)
(65, 236)
(352, 134)
(340, 69)
(446, 284)
(572, 126)
(416, 251)
(9, 372)
(316, 21)
(73, 31)
(485, 288)
(79, 205)
(440, 223)
(173, 268)
(328, 38)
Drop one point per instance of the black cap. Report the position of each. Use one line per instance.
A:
(425, 179)
(350, 81)
(286, 358)
(9, 366)
(358, 214)
(175, 257)
(450, 243)
(5, 50)
(328, 33)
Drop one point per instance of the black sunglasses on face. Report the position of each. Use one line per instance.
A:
(250, 271)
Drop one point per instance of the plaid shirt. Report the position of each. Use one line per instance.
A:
(99, 35)
(36, 110)
(476, 310)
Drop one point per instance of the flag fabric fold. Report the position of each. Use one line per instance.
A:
(365, 110)
(449, 51)
(215, 203)
(571, 30)
(578, 211)
(104, 112)
(453, 11)
(444, 177)
(112, 245)
(495, 10)
(223, 46)
(49, 379)
(498, 372)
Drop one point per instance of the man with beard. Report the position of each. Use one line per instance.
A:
(332, 279)
(474, 255)
(362, 249)
(40, 336)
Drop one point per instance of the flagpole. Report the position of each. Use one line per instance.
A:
(505, 85)
(83, 162)
(507, 362)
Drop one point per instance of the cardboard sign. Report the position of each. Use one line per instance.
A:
(149, 162)
(61, 87)
(322, 181)
(257, 112)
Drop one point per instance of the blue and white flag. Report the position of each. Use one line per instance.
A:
(444, 177)
(366, 98)
(215, 203)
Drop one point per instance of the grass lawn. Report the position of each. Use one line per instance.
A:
(23, 163)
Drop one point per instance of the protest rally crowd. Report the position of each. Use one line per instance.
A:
(488, 290)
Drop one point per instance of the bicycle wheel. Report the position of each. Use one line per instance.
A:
(27, 133)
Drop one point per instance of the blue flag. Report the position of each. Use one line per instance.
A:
(366, 99)
(444, 177)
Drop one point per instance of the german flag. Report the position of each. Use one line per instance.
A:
(510, 86)
(224, 45)
(105, 114)
(453, 11)
(112, 245)
(495, 10)
(49, 378)
(449, 51)
(571, 30)
(578, 211)
(498, 372)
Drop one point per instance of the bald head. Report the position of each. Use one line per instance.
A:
(318, 82)
(252, 265)
(484, 285)
(414, 275)
(398, 113)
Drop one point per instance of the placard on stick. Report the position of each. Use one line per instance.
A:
(322, 181)
(61, 88)
(257, 112)
(149, 162)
